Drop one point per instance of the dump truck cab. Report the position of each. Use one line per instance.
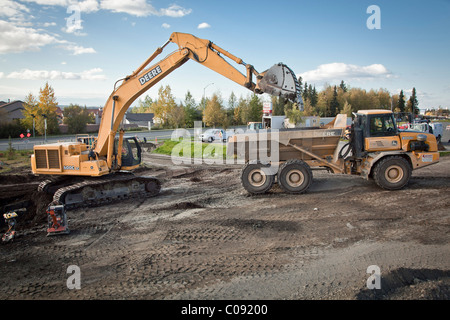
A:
(382, 152)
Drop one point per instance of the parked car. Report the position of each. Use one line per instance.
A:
(211, 135)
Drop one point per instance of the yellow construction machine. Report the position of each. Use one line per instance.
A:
(93, 173)
(377, 150)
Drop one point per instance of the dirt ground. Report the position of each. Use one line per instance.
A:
(205, 238)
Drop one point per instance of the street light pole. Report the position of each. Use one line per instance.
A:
(45, 127)
(33, 125)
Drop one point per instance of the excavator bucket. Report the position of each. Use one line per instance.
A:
(280, 80)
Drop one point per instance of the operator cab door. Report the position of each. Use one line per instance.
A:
(381, 133)
(130, 153)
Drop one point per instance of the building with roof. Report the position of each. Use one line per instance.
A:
(10, 111)
(140, 119)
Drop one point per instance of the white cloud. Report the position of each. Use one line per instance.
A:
(141, 8)
(49, 24)
(1, 75)
(48, 2)
(77, 50)
(175, 11)
(343, 71)
(203, 25)
(19, 39)
(165, 25)
(88, 6)
(12, 8)
(27, 74)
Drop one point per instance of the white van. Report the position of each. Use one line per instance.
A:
(438, 130)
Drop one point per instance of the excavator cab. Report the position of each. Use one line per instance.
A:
(131, 153)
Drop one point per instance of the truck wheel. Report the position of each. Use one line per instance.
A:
(255, 179)
(295, 176)
(392, 173)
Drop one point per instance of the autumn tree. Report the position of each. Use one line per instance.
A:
(44, 107)
(177, 117)
(30, 111)
(214, 114)
(347, 109)
(165, 107)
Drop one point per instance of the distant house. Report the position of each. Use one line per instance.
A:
(139, 119)
(59, 115)
(97, 113)
(12, 110)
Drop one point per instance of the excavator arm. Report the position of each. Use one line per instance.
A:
(278, 80)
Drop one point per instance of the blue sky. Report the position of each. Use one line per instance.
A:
(323, 41)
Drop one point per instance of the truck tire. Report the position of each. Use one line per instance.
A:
(392, 173)
(295, 176)
(255, 180)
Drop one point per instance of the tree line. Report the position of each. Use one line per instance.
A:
(214, 111)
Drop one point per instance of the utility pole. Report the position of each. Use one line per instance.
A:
(45, 127)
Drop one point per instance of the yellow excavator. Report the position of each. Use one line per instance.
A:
(94, 173)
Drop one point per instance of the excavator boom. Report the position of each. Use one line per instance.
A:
(279, 80)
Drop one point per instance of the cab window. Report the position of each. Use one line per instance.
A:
(382, 125)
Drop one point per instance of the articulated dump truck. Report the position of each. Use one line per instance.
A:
(376, 150)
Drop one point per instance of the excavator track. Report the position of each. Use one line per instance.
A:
(100, 191)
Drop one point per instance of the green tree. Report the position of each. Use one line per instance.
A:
(300, 82)
(305, 91)
(334, 104)
(192, 114)
(278, 105)
(294, 115)
(343, 86)
(256, 108)
(143, 106)
(314, 97)
(401, 102)
(413, 103)
(77, 118)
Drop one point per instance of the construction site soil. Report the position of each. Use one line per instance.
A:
(205, 238)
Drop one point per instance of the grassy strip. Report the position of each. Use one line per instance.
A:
(187, 149)
(444, 153)
(13, 159)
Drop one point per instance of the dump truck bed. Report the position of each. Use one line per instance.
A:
(319, 143)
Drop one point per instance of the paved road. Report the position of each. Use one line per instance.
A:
(24, 144)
